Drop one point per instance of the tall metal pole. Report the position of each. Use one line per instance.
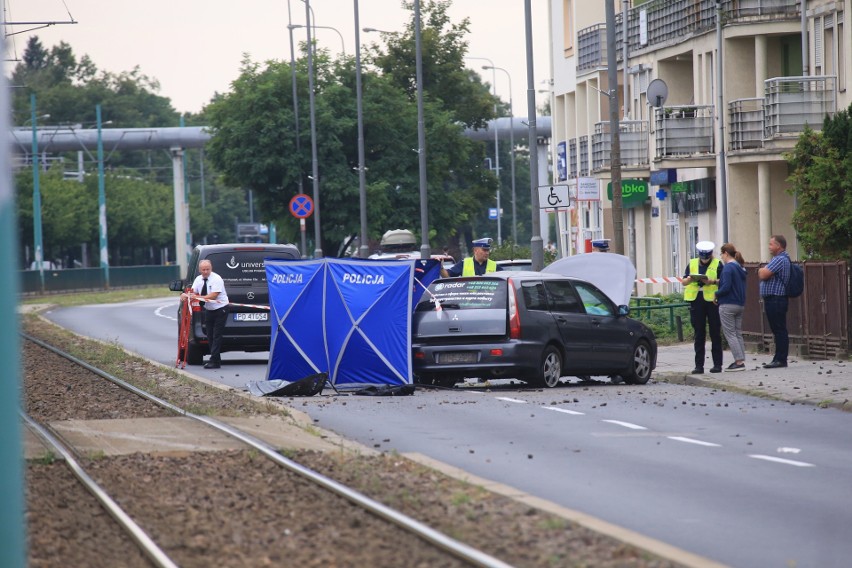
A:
(536, 246)
(314, 164)
(296, 124)
(497, 158)
(615, 153)
(102, 218)
(37, 245)
(625, 8)
(364, 249)
(13, 527)
(512, 152)
(425, 249)
(721, 167)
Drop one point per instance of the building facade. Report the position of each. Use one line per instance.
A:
(687, 176)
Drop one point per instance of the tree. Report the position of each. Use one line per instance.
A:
(822, 183)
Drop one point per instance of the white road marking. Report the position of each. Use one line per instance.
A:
(158, 312)
(781, 460)
(515, 400)
(625, 424)
(693, 441)
(565, 410)
(783, 450)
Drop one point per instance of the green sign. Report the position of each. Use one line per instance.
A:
(634, 192)
(680, 187)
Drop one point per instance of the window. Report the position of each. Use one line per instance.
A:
(595, 301)
(562, 297)
(533, 293)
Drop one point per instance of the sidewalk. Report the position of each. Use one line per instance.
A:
(821, 383)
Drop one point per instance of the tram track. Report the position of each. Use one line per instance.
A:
(197, 519)
(459, 553)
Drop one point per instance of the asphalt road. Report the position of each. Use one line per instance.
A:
(740, 480)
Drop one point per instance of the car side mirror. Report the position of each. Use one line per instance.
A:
(623, 310)
(176, 285)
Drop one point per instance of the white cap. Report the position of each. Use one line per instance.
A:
(705, 246)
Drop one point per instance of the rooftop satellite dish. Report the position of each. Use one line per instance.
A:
(657, 93)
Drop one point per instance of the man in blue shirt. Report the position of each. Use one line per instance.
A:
(773, 290)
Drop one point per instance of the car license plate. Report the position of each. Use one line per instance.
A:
(450, 357)
(251, 317)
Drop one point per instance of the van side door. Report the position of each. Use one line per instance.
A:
(608, 331)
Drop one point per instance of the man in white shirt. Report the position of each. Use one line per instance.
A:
(210, 288)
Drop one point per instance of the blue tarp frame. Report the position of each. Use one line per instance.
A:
(348, 318)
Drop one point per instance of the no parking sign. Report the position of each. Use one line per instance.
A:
(301, 206)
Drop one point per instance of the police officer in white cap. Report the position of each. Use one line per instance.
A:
(701, 280)
(600, 245)
(478, 264)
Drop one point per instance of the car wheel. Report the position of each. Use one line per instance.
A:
(194, 354)
(640, 365)
(550, 369)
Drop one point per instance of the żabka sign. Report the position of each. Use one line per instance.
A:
(634, 192)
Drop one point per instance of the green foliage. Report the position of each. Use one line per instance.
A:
(821, 180)
(256, 146)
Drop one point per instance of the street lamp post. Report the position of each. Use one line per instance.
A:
(37, 245)
(296, 124)
(364, 248)
(425, 249)
(102, 218)
(314, 163)
(342, 43)
(496, 143)
(512, 151)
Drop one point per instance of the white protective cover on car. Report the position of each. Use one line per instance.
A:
(613, 273)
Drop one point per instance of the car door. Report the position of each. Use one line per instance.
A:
(609, 333)
(573, 323)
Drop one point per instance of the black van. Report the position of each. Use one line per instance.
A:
(241, 267)
(533, 326)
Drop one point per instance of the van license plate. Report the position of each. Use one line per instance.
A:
(450, 357)
(251, 317)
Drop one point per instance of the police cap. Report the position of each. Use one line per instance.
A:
(705, 249)
(483, 243)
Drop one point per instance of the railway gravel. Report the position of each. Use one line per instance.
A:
(234, 508)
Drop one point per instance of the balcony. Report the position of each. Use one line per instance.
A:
(683, 131)
(790, 104)
(667, 22)
(745, 117)
(633, 140)
(795, 102)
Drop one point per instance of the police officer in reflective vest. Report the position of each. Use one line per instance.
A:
(701, 280)
(477, 265)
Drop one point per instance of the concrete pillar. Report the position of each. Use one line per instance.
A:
(764, 206)
(760, 64)
(182, 239)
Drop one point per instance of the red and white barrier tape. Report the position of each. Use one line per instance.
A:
(660, 280)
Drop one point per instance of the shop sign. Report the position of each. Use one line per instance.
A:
(634, 192)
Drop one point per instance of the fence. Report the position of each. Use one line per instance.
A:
(77, 279)
(817, 321)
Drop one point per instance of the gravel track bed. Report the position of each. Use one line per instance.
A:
(236, 508)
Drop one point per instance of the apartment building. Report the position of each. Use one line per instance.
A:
(688, 177)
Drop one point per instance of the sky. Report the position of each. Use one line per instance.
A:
(194, 48)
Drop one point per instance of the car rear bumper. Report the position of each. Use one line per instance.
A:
(516, 359)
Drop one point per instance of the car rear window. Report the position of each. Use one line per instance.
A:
(243, 267)
(466, 294)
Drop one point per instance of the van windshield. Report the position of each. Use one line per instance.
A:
(466, 294)
(244, 267)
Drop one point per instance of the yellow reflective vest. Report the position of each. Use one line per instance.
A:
(469, 270)
(709, 290)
